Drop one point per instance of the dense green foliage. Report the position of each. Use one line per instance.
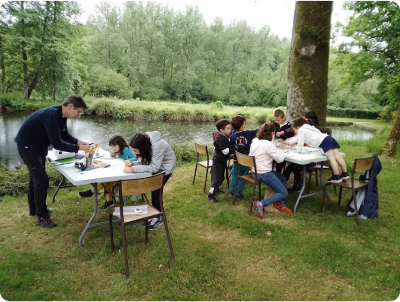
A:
(150, 51)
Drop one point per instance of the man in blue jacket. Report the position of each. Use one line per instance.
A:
(41, 129)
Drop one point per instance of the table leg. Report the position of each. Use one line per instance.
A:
(90, 224)
(60, 186)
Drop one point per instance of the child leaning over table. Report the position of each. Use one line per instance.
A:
(241, 140)
(121, 150)
(313, 137)
(222, 149)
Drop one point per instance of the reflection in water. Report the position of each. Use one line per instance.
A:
(99, 130)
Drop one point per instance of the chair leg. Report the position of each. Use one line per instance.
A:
(168, 237)
(252, 199)
(323, 198)
(194, 176)
(125, 249)
(340, 195)
(205, 181)
(355, 207)
(234, 194)
(111, 230)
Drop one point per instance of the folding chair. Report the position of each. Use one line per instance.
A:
(133, 187)
(353, 184)
(202, 151)
(247, 161)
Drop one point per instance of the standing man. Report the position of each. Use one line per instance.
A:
(41, 129)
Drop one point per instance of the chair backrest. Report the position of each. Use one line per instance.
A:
(215, 135)
(201, 149)
(363, 164)
(246, 160)
(141, 185)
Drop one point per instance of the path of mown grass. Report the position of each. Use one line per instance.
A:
(222, 253)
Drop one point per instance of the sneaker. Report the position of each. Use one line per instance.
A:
(155, 223)
(294, 190)
(280, 205)
(344, 176)
(107, 205)
(241, 196)
(334, 179)
(259, 209)
(45, 222)
(231, 194)
(212, 198)
(86, 194)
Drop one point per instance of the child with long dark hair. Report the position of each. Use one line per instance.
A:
(120, 149)
(265, 152)
(155, 155)
(310, 135)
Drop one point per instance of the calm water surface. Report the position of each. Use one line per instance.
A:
(99, 130)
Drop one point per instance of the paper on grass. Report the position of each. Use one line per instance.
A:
(132, 210)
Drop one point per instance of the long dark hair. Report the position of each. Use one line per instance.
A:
(266, 131)
(143, 144)
(312, 118)
(301, 121)
(120, 141)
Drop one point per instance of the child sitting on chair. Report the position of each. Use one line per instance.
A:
(121, 150)
(265, 151)
(313, 137)
(222, 149)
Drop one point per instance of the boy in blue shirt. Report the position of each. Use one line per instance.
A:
(241, 140)
(222, 149)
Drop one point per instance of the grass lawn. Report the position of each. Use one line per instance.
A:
(222, 253)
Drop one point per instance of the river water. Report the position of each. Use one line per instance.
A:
(99, 130)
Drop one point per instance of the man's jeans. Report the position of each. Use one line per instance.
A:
(38, 180)
(243, 171)
(276, 182)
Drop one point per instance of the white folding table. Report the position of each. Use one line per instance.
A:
(304, 158)
(113, 172)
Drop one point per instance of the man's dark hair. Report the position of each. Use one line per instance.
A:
(237, 121)
(76, 100)
(221, 124)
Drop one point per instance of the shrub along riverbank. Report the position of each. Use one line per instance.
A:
(171, 111)
(222, 253)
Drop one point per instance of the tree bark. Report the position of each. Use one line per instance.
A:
(389, 147)
(24, 55)
(309, 58)
(3, 68)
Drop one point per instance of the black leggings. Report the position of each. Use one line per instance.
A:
(155, 195)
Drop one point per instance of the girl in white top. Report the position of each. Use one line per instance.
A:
(264, 151)
(311, 136)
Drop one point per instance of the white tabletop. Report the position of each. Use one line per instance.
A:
(112, 173)
(307, 156)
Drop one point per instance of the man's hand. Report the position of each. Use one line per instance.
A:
(80, 143)
(85, 148)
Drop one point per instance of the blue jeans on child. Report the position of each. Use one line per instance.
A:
(235, 172)
(276, 182)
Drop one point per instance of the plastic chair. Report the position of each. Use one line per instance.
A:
(360, 165)
(202, 151)
(134, 187)
(247, 161)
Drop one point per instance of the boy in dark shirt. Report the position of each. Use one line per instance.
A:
(241, 140)
(222, 149)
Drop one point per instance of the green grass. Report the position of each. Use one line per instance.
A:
(222, 253)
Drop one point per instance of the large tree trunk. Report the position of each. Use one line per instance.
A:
(389, 148)
(3, 68)
(309, 57)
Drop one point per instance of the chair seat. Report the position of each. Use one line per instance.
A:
(248, 177)
(151, 212)
(204, 163)
(358, 184)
